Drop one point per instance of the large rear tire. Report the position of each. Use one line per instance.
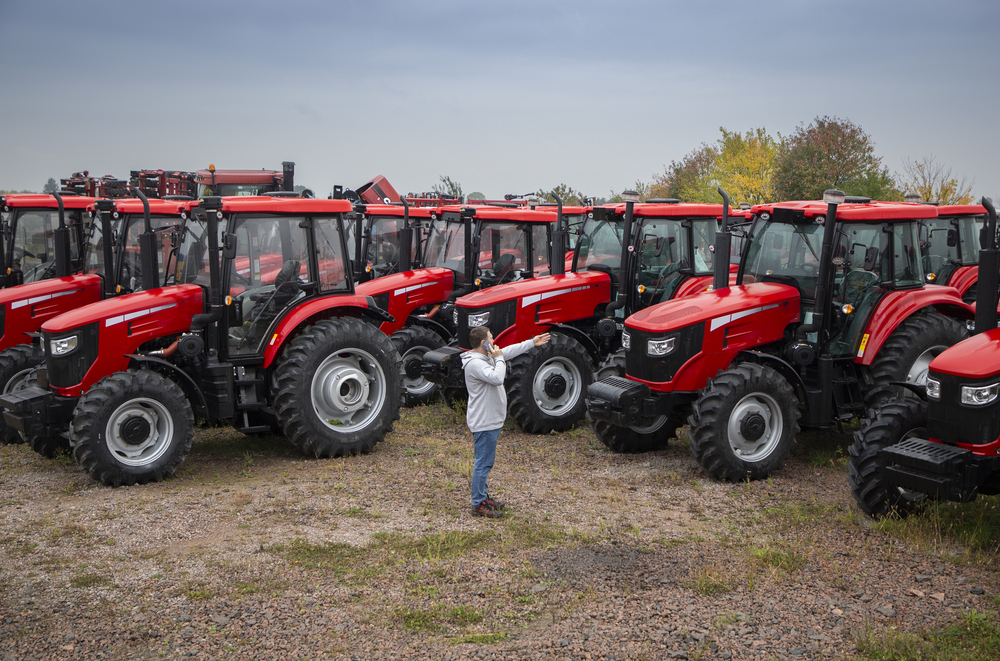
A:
(338, 388)
(15, 364)
(632, 440)
(909, 350)
(412, 343)
(888, 424)
(743, 423)
(546, 386)
(132, 428)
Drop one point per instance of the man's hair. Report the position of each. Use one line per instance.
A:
(477, 335)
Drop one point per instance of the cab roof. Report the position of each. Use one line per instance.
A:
(268, 204)
(23, 200)
(397, 210)
(854, 212)
(669, 210)
(961, 210)
(518, 214)
(134, 205)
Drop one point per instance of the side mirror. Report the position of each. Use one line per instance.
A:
(228, 246)
(952, 238)
(871, 258)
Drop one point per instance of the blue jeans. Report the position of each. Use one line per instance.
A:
(486, 452)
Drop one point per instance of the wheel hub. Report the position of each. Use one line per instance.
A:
(413, 368)
(347, 389)
(555, 385)
(753, 427)
(135, 430)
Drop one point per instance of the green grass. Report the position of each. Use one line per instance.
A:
(786, 560)
(976, 636)
(432, 416)
(433, 619)
(710, 581)
(961, 532)
(89, 580)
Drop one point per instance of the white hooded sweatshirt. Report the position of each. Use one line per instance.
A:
(484, 380)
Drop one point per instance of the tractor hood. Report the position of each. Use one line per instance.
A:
(399, 284)
(716, 308)
(975, 358)
(185, 300)
(34, 293)
(534, 290)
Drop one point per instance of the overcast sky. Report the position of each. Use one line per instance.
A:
(504, 97)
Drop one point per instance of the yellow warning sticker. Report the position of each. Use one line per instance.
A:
(864, 343)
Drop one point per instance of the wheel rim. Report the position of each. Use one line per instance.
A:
(918, 371)
(557, 386)
(755, 427)
(16, 380)
(139, 432)
(649, 429)
(415, 385)
(348, 390)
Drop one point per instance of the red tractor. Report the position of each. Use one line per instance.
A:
(944, 443)
(636, 255)
(467, 248)
(232, 339)
(112, 239)
(833, 310)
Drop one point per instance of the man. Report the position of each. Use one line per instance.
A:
(485, 368)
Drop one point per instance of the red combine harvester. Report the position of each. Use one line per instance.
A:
(944, 443)
(833, 312)
(112, 240)
(232, 339)
(467, 248)
(636, 255)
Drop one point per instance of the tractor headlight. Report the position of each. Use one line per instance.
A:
(62, 345)
(980, 395)
(933, 389)
(480, 319)
(660, 347)
(626, 341)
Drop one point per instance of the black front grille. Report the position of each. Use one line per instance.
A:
(640, 365)
(501, 318)
(952, 422)
(68, 370)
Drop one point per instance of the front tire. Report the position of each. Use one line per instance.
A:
(412, 343)
(338, 388)
(15, 364)
(743, 423)
(892, 422)
(547, 385)
(132, 428)
(632, 440)
(909, 350)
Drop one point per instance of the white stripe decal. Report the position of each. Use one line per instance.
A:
(39, 299)
(406, 290)
(534, 298)
(135, 315)
(719, 322)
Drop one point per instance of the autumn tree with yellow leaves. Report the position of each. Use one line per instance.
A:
(934, 182)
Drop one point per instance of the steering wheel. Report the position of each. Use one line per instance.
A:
(672, 267)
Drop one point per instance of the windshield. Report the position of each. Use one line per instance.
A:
(95, 264)
(130, 262)
(667, 256)
(383, 251)
(446, 245)
(32, 249)
(785, 252)
(238, 190)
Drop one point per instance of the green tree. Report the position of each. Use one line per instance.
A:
(50, 187)
(449, 187)
(934, 182)
(831, 153)
(680, 179)
(743, 167)
(476, 196)
(568, 195)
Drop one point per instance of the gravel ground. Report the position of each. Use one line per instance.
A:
(252, 551)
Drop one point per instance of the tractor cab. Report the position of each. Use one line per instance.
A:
(377, 246)
(949, 245)
(244, 183)
(28, 238)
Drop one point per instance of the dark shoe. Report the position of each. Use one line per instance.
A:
(482, 509)
(494, 504)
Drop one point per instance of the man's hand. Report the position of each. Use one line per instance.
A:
(539, 340)
(497, 352)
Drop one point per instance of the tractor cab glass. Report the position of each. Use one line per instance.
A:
(383, 250)
(32, 244)
(599, 248)
(271, 270)
(446, 245)
(503, 251)
(237, 190)
(785, 252)
(95, 262)
(668, 254)
(947, 243)
(166, 229)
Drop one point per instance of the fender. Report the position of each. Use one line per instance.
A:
(321, 308)
(178, 376)
(432, 324)
(710, 328)
(964, 277)
(26, 307)
(698, 284)
(780, 366)
(516, 334)
(408, 291)
(899, 305)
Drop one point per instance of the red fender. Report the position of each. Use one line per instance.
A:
(899, 305)
(963, 277)
(27, 307)
(699, 284)
(304, 313)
